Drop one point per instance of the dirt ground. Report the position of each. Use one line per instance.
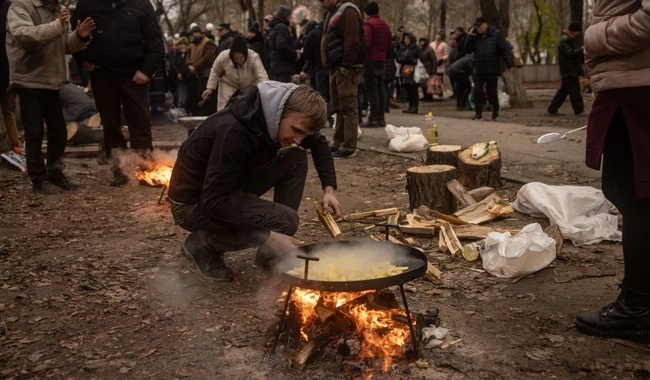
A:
(94, 286)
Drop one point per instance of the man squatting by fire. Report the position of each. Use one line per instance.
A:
(256, 143)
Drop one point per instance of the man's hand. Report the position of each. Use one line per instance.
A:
(140, 77)
(206, 94)
(303, 75)
(344, 71)
(179, 76)
(281, 243)
(85, 28)
(472, 31)
(89, 66)
(191, 69)
(298, 55)
(64, 15)
(330, 202)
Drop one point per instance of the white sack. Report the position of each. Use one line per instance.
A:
(509, 256)
(581, 212)
(407, 144)
(393, 131)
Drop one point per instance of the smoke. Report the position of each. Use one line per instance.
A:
(128, 160)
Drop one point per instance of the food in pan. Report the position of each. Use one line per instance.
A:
(333, 271)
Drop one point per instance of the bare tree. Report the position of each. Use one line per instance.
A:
(443, 15)
(5, 143)
(577, 8)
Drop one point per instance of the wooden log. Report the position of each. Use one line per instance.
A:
(481, 193)
(418, 230)
(451, 239)
(443, 155)
(474, 232)
(442, 243)
(426, 186)
(410, 241)
(554, 232)
(486, 171)
(393, 219)
(433, 274)
(367, 214)
(435, 215)
(328, 221)
(488, 209)
(463, 198)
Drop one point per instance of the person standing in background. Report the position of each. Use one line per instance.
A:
(571, 58)
(441, 49)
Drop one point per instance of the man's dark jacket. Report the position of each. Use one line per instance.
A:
(219, 158)
(487, 49)
(283, 55)
(311, 49)
(571, 57)
(127, 37)
(225, 42)
(343, 43)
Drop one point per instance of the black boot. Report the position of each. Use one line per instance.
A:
(208, 261)
(627, 318)
(58, 178)
(119, 179)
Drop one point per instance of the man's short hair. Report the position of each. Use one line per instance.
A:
(196, 29)
(307, 101)
(371, 9)
(400, 29)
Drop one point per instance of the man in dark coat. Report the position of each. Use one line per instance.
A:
(283, 55)
(125, 52)
(313, 67)
(571, 57)
(256, 40)
(488, 46)
(226, 36)
(377, 34)
(460, 68)
(234, 157)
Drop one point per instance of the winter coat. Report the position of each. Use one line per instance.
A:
(256, 44)
(225, 42)
(202, 56)
(570, 56)
(283, 55)
(460, 47)
(377, 34)
(75, 103)
(442, 54)
(487, 49)
(311, 50)
(127, 37)
(409, 55)
(617, 52)
(429, 60)
(461, 69)
(343, 43)
(37, 44)
(229, 78)
(4, 62)
(617, 56)
(179, 66)
(222, 154)
(391, 68)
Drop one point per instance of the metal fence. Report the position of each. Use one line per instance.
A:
(541, 73)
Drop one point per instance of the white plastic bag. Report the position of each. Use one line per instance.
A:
(504, 100)
(420, 73)
(393, 131)
(581, 212)
(409, 143)
(509, 256)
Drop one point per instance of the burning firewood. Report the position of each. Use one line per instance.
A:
(433, 274)
(327, 220)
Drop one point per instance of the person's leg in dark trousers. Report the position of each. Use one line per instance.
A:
(106, 88)
(57, 135)
(492, 86)
(135, 101)
(31, 114)
(462, 92)
(558, 99)
(629, 316)
(321, 83)
(479, 82)
(343, 90)
(388, 85)
(572, 86)
(413, 98)
(374, 91)
(191, 99)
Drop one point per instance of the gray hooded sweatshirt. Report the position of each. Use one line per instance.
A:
(273, 96)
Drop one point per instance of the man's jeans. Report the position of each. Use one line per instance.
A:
(343, 94)
(287, 173)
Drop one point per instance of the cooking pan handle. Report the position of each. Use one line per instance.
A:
(388, 226)
(307, 260)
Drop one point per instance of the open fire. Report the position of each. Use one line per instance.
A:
(374, 319)
(157, 175)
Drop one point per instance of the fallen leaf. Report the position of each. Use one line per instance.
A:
(29, 341)
(124, 369)
(556, 338)
(35, 356)
(12, 319)
(148, 353)
(38, 319)
(184, 374)
(422, 364)
(69, 345)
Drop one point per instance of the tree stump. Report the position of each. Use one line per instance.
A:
(443, 155)
(427, 186)
(486, 171)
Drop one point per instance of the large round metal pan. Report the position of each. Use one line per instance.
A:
(413, 258)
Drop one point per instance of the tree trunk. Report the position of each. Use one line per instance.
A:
(443, 155)
(486, 171)
(5, 143)
(443, 16)
(432, 15)
(515, 88)
(576, 11)
(427, 186)
(260, 13)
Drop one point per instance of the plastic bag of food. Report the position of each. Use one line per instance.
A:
(393, 131)
(509, 256)
(409, 143)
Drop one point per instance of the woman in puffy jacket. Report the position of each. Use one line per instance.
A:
(617, 55)
(408, 56)
(233, 70)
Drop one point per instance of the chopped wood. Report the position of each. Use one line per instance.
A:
(418, 230)
(328, 221)
(442, 243)
(485, 210)
(472, 231)
(299, 359)
(422, 220)
(394, 240)
(393, 219)
(410, 241)
(391, 239)
(323, 312)
(555, 233)
(463, 198)
(368, 214)
(450, 343)
(433, 274)
(481, 193)
(451, 239)
(433, 214)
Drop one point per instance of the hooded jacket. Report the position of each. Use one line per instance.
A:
(487, 49)
(343, 43)
(218, 159)
(228, 77)
(570, 56)
(127, 37)
(283, 55)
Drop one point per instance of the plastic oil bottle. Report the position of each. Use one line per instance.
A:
(432, 130)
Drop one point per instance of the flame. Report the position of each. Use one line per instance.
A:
(160, 175)
(381, 336)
